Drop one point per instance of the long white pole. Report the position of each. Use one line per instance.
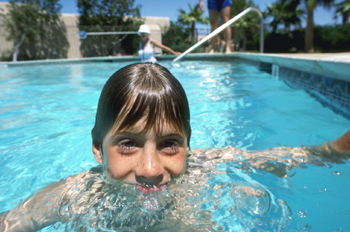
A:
(221, 28)
(112, 33)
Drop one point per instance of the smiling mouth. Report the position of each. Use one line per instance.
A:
(150, 188)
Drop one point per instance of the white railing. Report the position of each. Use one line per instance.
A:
(222, 27)
(84, 34)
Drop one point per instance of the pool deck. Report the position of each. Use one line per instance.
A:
(335, 65)
(334, 57)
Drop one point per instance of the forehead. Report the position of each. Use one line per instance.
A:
(140, 127)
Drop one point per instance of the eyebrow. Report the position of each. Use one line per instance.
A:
(142, 134)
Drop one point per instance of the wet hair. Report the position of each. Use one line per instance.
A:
(142, 91)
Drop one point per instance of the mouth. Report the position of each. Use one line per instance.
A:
(150, 188)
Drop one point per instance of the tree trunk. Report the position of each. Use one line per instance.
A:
(16, 49)
(244, 40)
(286, 27)
(309, 31)
(345, 18)
(274, 29)
(192, 31)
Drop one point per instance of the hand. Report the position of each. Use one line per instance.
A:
(342, 145)
(177, 53)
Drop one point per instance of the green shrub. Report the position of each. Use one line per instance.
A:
(177, 38)
(332, 38)
(326, 39)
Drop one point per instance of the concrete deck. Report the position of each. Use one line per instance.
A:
(335, 57)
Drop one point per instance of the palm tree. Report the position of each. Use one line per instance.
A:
(276, 12)
(287, 12)
(309, 31)
(243, 26)
(246, 23)
(195, 15)
(343, 8)
(293, 14)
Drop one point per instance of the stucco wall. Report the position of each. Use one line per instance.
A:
(5, 46)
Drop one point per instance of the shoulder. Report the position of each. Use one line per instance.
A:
(93, 172)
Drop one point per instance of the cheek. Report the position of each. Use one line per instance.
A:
(176, 164)
(119, 165)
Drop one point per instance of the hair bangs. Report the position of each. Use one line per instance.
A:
(155, 108)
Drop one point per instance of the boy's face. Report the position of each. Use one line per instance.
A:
(144, 36)
(147, 160)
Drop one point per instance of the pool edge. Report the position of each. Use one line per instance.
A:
(333, 65)
(325, 66)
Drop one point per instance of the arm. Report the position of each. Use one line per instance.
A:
(333, 152)
(157, 44)
(54, 203)
(34, 213)
(279, 161)
(201, 5)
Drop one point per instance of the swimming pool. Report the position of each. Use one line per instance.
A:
(47, 113)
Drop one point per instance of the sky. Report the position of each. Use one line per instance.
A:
(170, 8)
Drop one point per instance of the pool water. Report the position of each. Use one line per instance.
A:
(47, 113)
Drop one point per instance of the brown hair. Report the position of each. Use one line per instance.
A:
(141, 91)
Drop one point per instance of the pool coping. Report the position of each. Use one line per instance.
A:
(334, 65)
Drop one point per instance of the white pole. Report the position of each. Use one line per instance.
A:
(221, 28)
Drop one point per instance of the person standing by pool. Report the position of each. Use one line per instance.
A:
(147, 44)
(141, 140)
(216, 8)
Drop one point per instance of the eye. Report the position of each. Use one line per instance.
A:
(169, 147)
(168, 144)
(127, 146)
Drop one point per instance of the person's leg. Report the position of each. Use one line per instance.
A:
(225, 16)
(213, 17)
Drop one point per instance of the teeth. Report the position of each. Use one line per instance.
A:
(149, 186)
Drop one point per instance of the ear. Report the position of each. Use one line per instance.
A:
(97, 154)
(188, 148)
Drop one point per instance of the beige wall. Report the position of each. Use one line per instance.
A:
(5, 46)
(156, 24)
(71, 22)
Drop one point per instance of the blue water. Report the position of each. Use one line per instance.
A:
(47, 113)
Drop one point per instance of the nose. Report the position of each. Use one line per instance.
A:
(150, 170)
(143, 180)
